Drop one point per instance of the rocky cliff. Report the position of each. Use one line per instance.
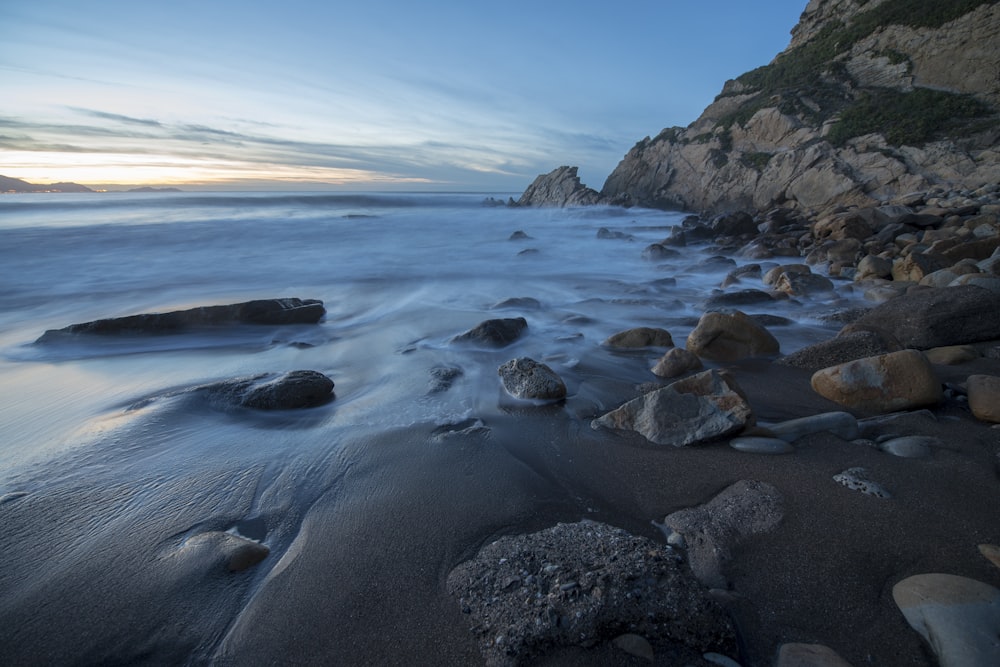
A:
(559, 187)
(872, 99)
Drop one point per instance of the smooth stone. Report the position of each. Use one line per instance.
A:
(950, 355)
(636, 645)
(984, 397)
(640, 337)
(911, 446)
(991, 552)
(886, 383)
(675, 362)
(728, 336)
(809, 655)
(292, 390)
(849, 345)
(528, 379)
(760, 445)
(958, 617)
(857, 480)
(842, 424)
(216, 548)
(496, 333)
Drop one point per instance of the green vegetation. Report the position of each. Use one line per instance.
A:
(756, 160)
(912, 118)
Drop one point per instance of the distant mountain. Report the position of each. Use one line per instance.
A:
(149, 189)
(8, 184)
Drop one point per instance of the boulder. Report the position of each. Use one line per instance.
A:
(581, 585)
(711, 531)
(528, 379)
(937, 317)
(743, 297)
(495, 333)
(640, 337)
(803, 284)
(849, 225)
(675, 362)
(728, 336)
(261, 312)
(697, 409)
(842, 424)
(774, 275)
(886, 383)
(216, 549)
(849, 346)
(950, 355)
(559, 187)
(873, 266)
(984, 397)
(957, 616)
(917, 265)
(733, 224)
(292, 390)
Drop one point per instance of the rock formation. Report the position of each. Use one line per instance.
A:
(560, 187)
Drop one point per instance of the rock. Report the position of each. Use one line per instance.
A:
(581, 584)
(739, 298)
(697, 409)
(809, 655)
(519, 302)
(803, 284)
(984, 397)
(846, 347)
(675, 362)
(559, 187)
(991, 552)
(262, 312)
(760, 445)
(938, 317)
(951, 354)
(218, 549)
(873, 266)
(958, 617)
(654, 252)
(442, 377)
(991, 283)
(774, 275)
(841, 424)
(714, 529)
(519, 235)
(911, 446)
(528, 379)
(856, 479)
(728, 336)
(635, 645)
(886, 383)
(289, 391)
(495, 333)
(733, 224)
(606, 234)
(640, 337)
(917, 265)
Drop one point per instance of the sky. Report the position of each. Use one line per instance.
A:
(368, 95)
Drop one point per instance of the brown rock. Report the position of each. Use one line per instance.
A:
(886, 383)
(641, 337)
(730, 336)
(951, 354)
(917, 265)
(984, 397)
(677, 361)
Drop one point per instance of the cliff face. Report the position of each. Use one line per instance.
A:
(872, 99)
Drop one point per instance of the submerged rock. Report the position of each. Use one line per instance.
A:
(292, 390)
(496, 333)
(697, 409)
(581, 585)
(263, 311)
(640, 337)
(528, 379)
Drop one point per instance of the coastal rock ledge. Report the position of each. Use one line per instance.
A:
(559, 187)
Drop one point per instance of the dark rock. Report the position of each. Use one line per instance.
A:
(497, 333)
(657, 251)
(442, 377)
(263, 311)
(583, 584)
(520, 302)
(559, 187)
(518, 236)
(937, 317)
(528, 379)
(741, 298)
(295, 389)
(640, 337)
(733, 224)
(607, 234)
(847, 347)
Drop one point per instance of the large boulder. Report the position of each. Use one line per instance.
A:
(288, 391)
(495, 333)
(728, 336)
(582, 585)
(261, 311)
(886, 383)
(700, 408)
(856, 344)
(675, 362)
(929, 318)
(640, 337)
(528, 379)
(559, 187)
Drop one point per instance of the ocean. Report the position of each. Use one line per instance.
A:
(105, 457)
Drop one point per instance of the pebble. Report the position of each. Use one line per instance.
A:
(911, 446)
(761, 445)
(857, 480)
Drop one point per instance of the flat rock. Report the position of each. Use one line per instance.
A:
(911, 446)
(581, 584)
(857, 479)
(675, 362)
(700, 408)
(809, 655)
(260, 312)
(937, 317)
(531, 380)
(958, 617)
(984, 397)
(886, 383)
(760, 445)
(495, 333)
(640, 337)
(712, 530)
(728, 336)
(842, 424)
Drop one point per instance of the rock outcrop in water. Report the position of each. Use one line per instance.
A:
(871, 100)
(261, 311)
(560, 187)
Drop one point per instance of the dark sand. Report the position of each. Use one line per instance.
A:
(357, 571)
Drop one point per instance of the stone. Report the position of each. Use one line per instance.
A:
(917, 265)
(636, 645)
(654, 252)
(911, 446)
(856, 344)
(442, 378)
(957, 616)
(559, 187)
(856, 479)
(743, 297)
(984, 397)
(760, 445)
(842, 424)
(675, 362)
(700, 408)
(495, 333)
(608, 235)
(938, 317)
(951, 354)
(713, 530)
(640, 337)
(221, 549)
(733, 224)
(259, 312)
(992, 283)
(991, 552)
(528, 379)
(581, 584)
(873, 266)
(809, 655)
(886, 383)
(519, 302)
(803, 284)
(292, 390)
(519, 235)
(849, 225)
(774, 275)
(728, 336)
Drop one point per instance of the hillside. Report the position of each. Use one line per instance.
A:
(872, 99)
(16, 185)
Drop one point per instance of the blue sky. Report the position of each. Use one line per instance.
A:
(379, 94)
